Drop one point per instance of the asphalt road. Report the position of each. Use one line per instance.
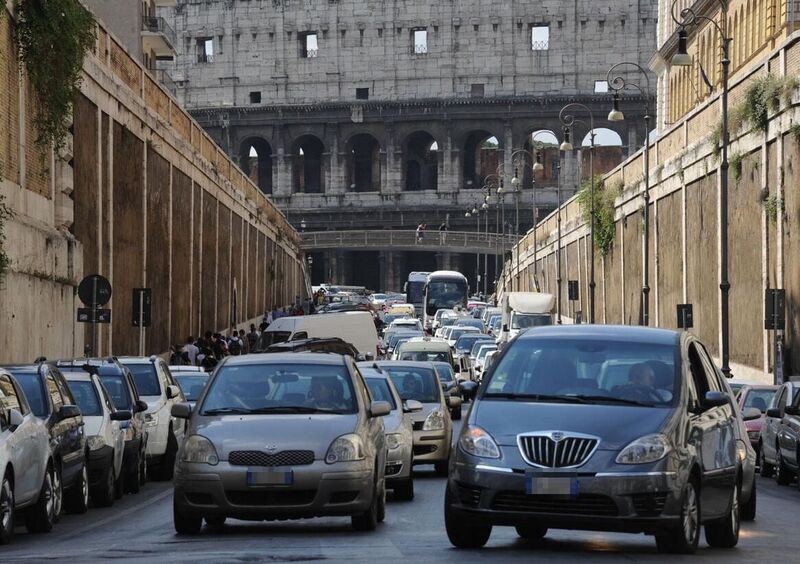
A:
(140, 527)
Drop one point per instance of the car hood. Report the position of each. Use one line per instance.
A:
(615, 425)
(282, 432)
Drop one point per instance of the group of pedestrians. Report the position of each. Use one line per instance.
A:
(423, 227)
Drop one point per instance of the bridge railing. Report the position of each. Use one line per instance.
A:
(466, 241)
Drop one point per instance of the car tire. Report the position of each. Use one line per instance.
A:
(77, 498)
(42, 516)
(167, 467)
(368, 520)
(215, 521)
(724, 533)
(185, 523)
(7, 515)
(683, 539)
(441, 468)
(783, 476)
(404, 491)
(749, 509)
(765, 468)
(531, 532)
(460, 531)
(105, 493)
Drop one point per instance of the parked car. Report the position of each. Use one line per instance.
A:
(398, 428)
(324, 452)
(788, 438)
(770, 461)
(548, 445)
(51, 400)
(105, 436)
(191, 379)
(26, 463)
(755, 397)
(433, 429)
(118, 380)
(159, 390)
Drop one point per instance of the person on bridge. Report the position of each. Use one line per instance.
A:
(421, 232)
(443, 233)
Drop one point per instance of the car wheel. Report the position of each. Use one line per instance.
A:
(58, 494)
(766, 469)
(404, 491)
(368, 521)
(104, 494)
(749, 508)
(531, 532)
(441, 468)
(42, 516)
(683, 538)
(77, 498)
(6, 510)
(724, 533)
(185, 523)
(168, 461)
(461, 530)
(782, 473)
(215, 521)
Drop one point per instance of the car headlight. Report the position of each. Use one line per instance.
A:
(197, 448)
(434, 421)
(150, 420)
(393, 440)
(95, 442)
(645, 449)
(346, 448)
(477, 442)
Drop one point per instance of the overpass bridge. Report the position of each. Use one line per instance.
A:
(406, 240)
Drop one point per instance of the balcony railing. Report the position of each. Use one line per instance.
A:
(157, 24)
(451, 241)
(166, 80)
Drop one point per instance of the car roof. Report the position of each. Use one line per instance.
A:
(286, 358)
(22, 367)
(185, 368)
(137, 359)
(604, 332)
(405, 363)
(79, 375)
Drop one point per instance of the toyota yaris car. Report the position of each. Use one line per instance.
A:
(561, 436)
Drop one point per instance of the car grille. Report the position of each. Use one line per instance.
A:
(424, 449)
(266, 498)
(468, 495)
(649, 504)
(584, 504)
(418, 425)
(258, 458)
(567, 452)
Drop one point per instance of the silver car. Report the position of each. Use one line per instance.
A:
(399, 434)
(282, 436)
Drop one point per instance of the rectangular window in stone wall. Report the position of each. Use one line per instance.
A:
(540, 37)
(362, 93)
(419, 41)
(205, 49)
(309, 47)
(476, 91)
(255, 97)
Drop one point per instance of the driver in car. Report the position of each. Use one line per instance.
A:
(326, 393)
(642, 375)
(411, 388)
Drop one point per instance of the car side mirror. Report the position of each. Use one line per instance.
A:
(379, 409)
(412, 406)
(181, 410)
(173, 392)
(14, 419)
(774, 412)
(715, 399)
(752, 413)
(122, 415)
(69, 411)
(141, 406)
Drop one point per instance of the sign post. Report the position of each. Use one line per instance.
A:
(94, 291)
(573, 295)
(775, 320)
(142, 302)
(685, 316)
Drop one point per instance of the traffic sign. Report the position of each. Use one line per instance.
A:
(775, 310)
(685, 317)
(572, 289)
(94, 290)
(89, 315)
(142, 301)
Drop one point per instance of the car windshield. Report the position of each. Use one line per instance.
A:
(425, 356)
(379, 388)
(448, 321)
(280, 388)
(445, 371)
(758, 398)
(191, 384)
(415, 292)
(86, 396)
(477, 344)
(457, 332)
(484, 351)
(145, 378)
(527, 320)
(395, 338)
(115, 384)
(581, 371)
(417, 383)
(444, 294)
(465, 343)
(32, 386)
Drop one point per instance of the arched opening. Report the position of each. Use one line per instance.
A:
(603, 137)
(307, 165)
(481, 157)
(363, 163)
(542, 145)
(608, 152)
(422, 162)
(255, 159)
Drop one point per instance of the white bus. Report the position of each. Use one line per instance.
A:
(415, 290)
(444, 289)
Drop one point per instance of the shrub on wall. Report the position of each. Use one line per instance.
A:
(5, 213)
(604, 197)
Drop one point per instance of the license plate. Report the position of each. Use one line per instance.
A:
(551, 485)
(269, 478)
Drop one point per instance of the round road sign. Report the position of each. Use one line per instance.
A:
(91, 284)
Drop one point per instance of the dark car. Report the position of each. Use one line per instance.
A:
(556, 440)
(755, 397)
(769, 450)
(52, 401)
(787, 441)
(119, 383)
(466, 341)
(328, 345)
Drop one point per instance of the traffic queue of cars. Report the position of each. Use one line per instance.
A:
(79, 432)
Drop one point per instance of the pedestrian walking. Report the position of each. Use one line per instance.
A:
(191, 350)
(420, 232)
(443, 233)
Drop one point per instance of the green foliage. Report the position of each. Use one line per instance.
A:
(604, 228)
(774, 207)
(5, 214)
(764, 95)
(715, 139)
(794, 131)
(53, 37)
(735, 163)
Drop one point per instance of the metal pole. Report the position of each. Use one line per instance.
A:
(478, 256)
(591, 231)
(516, 212)
(724, 284)
(646, 227)
(94, 316)
(558, 255)
(141, 322)
(486, 258)
(535, 225)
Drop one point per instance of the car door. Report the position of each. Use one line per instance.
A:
(374, 425)
(72, 429)
(23, 444)
(769, 432)
(178, 425)
(788, 432)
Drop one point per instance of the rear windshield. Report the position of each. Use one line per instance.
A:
(444, 371)
(145, 378)
(34, 392)
(465, 342)
(759, 399)
(86, 395)
(457, 332)
(271, 337)
(417, 383)
(118, 390)
(379, 388)
(425, 356)
(191, 384)
(527, 320)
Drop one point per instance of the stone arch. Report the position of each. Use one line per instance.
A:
(307, 176)
(255, 159)
(482, 154)
(421, 152)
(545, 142)
(603, 137)
(363, 163)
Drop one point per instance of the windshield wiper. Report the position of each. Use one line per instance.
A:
(611, 399)
(226, 411)
(535, 397)
(291, 409)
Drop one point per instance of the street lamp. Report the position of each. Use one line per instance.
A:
(567, 121)
(617, 83)
(302, 224)
(688, 17)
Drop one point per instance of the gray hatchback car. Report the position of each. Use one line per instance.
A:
(282, 436)
(561, 437)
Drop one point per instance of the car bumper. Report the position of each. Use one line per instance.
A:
(636, 502)
(317, 490)
(98, 462)
(398, 464)
(431, 446)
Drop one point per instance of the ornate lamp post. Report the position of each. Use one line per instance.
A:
(617, 83)
(685, 19)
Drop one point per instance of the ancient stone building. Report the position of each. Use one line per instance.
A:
(366, 114)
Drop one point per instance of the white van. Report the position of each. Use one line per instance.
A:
(522, 310)
(355, 327)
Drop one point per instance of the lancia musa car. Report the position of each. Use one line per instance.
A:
(554, 441)
(282, 436)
